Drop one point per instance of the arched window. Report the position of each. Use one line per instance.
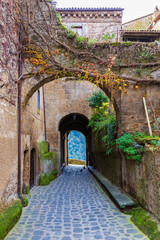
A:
(38, 102)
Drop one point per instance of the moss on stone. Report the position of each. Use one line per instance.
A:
(55, 160)
(48, 156)
(44, 180)
(26, 190)
(51, 176)
(43, 148)
(115, 44)
(128, 43)
(143, 187)
(55, 172)
(47, 178)
(145, 223)
(25, 201)
(9, 218)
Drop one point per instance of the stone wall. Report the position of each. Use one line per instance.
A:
(63, 97)
(8, 149)
(8, 104)
(140, 180)
(32, 133)
(132, 114)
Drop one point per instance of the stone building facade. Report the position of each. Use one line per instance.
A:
(93, 22)
(32, 133)
(143, 29)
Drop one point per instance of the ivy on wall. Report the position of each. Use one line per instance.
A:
(102, 120)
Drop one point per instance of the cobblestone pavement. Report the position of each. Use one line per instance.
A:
(73, 207)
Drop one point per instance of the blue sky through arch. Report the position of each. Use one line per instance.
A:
(76, 146)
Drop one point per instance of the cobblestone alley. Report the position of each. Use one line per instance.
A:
(73, 207)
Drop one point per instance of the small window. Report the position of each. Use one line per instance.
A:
(38, 102)
(78, 29)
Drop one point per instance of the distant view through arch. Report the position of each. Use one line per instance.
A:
(76, 147)
(75, 122)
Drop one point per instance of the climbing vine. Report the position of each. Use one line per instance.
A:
(102, 120)
(9, 46)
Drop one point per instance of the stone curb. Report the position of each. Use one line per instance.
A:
(121, 199)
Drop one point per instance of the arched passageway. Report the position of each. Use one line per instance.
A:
(78, 122)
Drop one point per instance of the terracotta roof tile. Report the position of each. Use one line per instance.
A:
(140, 31)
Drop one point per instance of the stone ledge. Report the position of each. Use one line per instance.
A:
(122, 200)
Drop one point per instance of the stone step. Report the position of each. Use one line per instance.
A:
(121, 199)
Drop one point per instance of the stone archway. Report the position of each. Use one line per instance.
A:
(78, 122)
(73, 59)
(128, 105)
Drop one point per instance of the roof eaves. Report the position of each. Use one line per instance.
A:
(89, 9)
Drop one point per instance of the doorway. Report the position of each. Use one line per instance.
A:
(32, 167)
(75, 122)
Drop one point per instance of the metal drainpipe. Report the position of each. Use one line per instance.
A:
(44, 111)
(19, 113)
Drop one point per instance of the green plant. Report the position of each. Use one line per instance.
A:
(139, 70)
(102, 121)
(59, 17)
(55, 160)
(52, 176)
(158, 144)
(25, 201)
(55, 172)
(71, 34)
(153, 142)
(47, 178)
(107, 37)
(126, 143)
(128, 43)
(43, 148)
(26, 190)
(44, 180)
(81, 39)
(92, 41)
(97, 99)
(144, 222)
(144, 54)
(48, 156)
(141, 138)
(109, 138)
(115, 44)
(9, 218)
